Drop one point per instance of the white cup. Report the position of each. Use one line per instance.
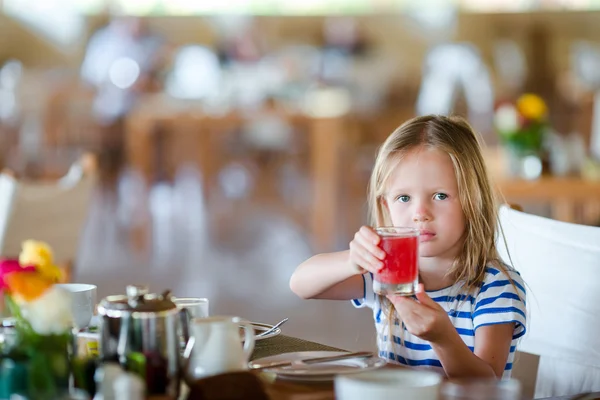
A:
(389, 384)
(83, 302)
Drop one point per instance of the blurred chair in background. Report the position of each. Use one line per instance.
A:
(53, 212)
(453, 68)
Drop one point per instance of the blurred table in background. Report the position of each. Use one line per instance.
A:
(191, 135)
(160, 139)
(569, 198)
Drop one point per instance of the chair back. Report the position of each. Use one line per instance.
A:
(54, 212)
(560, 264)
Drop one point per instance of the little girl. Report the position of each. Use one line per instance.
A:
(469, 309)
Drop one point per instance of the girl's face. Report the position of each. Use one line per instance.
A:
(422, 193)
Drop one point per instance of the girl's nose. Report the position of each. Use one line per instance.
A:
(421, 214)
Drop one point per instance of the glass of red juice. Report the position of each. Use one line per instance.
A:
(400, 273)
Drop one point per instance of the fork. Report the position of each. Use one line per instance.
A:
(272, 329)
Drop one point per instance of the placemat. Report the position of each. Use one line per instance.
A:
(286, 344)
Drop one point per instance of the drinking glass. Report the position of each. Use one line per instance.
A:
(489, 389)
(400, 273)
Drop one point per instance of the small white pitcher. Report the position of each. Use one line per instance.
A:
(215, 346)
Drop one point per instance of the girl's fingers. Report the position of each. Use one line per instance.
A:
(365, 259)
(373, 249)
(369, 234)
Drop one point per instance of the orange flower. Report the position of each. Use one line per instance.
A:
(27, 286)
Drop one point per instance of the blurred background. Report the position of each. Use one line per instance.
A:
(234, 139)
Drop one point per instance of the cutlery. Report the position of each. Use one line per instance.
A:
(270, 330)
(315, 360)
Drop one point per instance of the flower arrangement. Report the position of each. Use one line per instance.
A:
(522, 125)
(36, 359)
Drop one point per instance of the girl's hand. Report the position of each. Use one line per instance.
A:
(423, 318)
(365, 254)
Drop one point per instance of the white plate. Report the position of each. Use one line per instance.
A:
(260, 327)
(318, 372)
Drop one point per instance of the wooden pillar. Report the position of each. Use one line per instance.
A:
(326, 138)
(139, 148)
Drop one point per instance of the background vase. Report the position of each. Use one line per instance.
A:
(35, 366)
(523, 163)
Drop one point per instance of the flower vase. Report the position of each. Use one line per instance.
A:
(49, 367)
(523, 127)
(523, 164)
(34, 365)
(35, 352)
(37, 366)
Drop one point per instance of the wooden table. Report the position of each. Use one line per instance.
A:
(571, 199)
(282, 390)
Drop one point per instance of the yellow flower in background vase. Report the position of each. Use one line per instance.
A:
(39, 254)
(36, 253)
(532, 107)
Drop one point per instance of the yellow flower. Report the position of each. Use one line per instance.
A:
(532, 107)
(39, 254)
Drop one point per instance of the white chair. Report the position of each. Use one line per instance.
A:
(8, 187)
(54, 212)
(560, 264)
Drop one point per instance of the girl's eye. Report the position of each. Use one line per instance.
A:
(403, 199)
(440, 196)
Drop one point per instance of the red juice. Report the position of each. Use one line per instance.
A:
(400, 266)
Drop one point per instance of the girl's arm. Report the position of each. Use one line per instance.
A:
(337, 276)
(492, 346)
(328, 276)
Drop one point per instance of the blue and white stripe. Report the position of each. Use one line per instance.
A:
(496, 302)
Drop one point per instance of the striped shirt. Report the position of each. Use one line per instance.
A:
(496, 302)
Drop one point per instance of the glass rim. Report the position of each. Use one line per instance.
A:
(189, 300)
(397, 231)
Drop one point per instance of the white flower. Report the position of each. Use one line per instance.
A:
(506, 118)
(50, 313)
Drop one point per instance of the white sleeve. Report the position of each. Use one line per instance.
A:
(369, 297)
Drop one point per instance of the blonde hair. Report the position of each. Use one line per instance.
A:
(455, 137)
